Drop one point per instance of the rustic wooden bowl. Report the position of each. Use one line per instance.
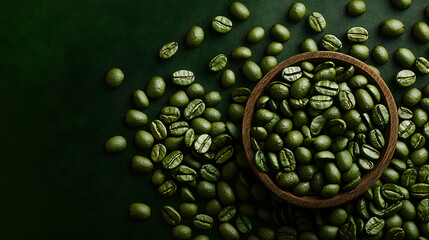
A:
(391, 133)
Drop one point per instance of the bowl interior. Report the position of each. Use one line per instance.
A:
(390, 133)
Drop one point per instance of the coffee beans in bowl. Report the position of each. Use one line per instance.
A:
(320, 128)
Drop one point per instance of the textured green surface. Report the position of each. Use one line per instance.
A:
(56, 180)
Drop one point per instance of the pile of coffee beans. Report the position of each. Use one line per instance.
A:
(319, 128)
(194, 155)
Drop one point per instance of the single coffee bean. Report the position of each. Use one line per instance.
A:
(355, 8)
(357, 34)
(227, 78)
(217, 63)
(158, 177)
(170, 215)
(423, 210)
(421, 31)
(140, 99)
(183, 77)
(239, 11)
(139, 211)
(316, 21)
(184, 174)
(370, 152)
(274, 48)
(172, 160)
(401, 4)
(251, 71)
(308, 45)
(227, 213)
(167, 188)
(419, 190)
(280, 33)
(155, 87)
(143, 139)
(168, 50)
(141, 164)
(392, 27)
(405, 78)
(380, 115)
(380, 55)
(376, 138)
(240, 95)
(359, 51)
(422, 64)
(224, 154)
(202, 143)
(241, 53)
(374, 226)
(194, 109)
(158, 129)
(182, 232)
(203, 221)
(331, 43)
(255, 35)
(296, 12)
(326, 87)
(243, 224)
(221, 24)
(405, 57)
(115, 144)
(291, 74)
(228, 231)
(321, 102)
(114, 78)
(408, 177)
(406, 129)
(159, 151)
(178, 128)
(267, 63)
(195, 36)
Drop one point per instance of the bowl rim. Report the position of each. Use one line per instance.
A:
(368, 178)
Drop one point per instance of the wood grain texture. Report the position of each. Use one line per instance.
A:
(391, 133)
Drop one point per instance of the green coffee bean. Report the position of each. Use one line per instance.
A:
(419, 190)
(217, 63)
(221, 24)
(158, 177)
(406, 129)
(155, 87)
(143, 139)
(421, 31)
(195, 90)
(296, 12)
(405, 78)
(356, 8)
(241, 53)
(321, 102)
(170, 215)
(359, 51)
(380, 115)
(195, 36)
(167, 188)
(224, 154)
(392, 27)
(209, 173)
(422, 64)
(401, 4)
(404, 57)
(255, 35)
(357, 34)
(158, 129)
(139, 211)
(239, 11)
(227, 213)
(227, 78)
(203, 221)
(184, 174)
(316, 21)
(168, 50)
(140, 99)
(141, 164)
(380, 55)
(251, 71)
(374, 225)
(280, 33)
(114, 78)
(182, 232)
(172, 160)
(202, 143)
(194, 109)
(308, 45)
(243, 224)
(228, 231)
(115, 144)
(331, 43)
(267, 63)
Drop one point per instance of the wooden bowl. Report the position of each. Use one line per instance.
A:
(390, 134)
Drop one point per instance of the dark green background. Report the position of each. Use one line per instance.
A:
(56, 181)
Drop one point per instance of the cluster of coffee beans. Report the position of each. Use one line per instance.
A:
(194, 153)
